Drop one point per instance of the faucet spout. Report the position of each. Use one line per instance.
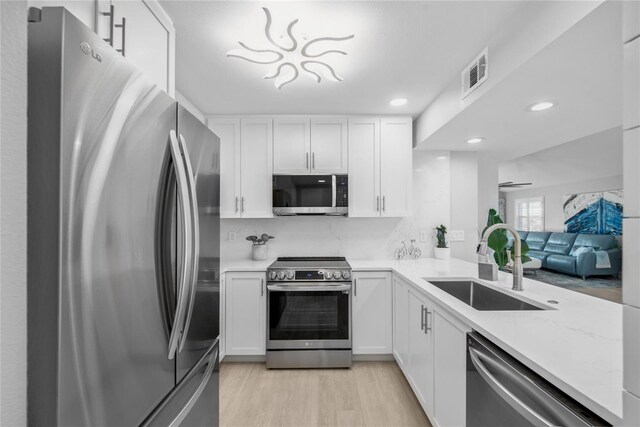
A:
(517, 256)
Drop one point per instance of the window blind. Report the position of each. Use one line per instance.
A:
(529, 214)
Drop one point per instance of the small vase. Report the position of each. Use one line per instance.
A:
(259, 252)
(442, 253)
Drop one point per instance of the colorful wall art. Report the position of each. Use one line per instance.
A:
(594, 213)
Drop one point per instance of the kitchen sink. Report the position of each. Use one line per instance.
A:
(482, 297)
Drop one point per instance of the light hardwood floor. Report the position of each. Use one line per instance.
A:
(368, 394)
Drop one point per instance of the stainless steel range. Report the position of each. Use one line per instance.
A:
(309, 313)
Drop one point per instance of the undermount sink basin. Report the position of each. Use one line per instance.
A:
(481, 297)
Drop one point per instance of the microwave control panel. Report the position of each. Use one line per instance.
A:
(342, 191)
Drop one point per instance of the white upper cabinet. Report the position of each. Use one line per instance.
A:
(256, 157)
(364, 167)
(291, 146)
(316, 145)
(245, 169)
(396, 168)
(228, 130)
(380, 167)
(372, 307)
(329, 145)
(147, 39)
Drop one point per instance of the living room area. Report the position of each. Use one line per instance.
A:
(567, 201)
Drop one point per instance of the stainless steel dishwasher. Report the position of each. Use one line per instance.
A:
(501, 391)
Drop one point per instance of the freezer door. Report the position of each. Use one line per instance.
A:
(194, 401)
(111, 314)
(202, 153)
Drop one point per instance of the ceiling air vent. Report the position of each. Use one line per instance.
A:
(475, 74)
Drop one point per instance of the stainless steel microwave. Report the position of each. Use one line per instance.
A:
(310, 195)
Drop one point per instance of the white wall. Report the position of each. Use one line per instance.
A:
(464, 203)
(355, 238)
(13, 214)
(554, 198)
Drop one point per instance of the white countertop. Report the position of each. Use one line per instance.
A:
(577, 345)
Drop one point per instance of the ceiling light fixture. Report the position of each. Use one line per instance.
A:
(442, 157)
(287, 61)
(475, 140)
(398, 102)
(542, 105)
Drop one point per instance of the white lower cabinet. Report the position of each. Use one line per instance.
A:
(420, 350)
(400, 322)
(430, 347)
(372, 308)
(450, 370)
(245, 297)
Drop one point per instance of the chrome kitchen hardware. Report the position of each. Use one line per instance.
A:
(309, 313)
(310, 195)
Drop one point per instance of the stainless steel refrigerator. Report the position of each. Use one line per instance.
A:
(123, 241)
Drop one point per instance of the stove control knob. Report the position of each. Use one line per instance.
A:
(328, 274)
(280, 275)
(290, 275)
(346, 274)
(272, 275)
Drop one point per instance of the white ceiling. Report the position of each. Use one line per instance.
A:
(581, 69)
(592, 157)
(407, 49)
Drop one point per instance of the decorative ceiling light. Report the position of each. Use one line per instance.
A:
(398, 102)
(542, 105)
(287, 61)
(475, 140)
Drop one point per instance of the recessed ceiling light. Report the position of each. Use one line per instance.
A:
(442, 157)
(398, 102)
(475, 140)
(542, 105)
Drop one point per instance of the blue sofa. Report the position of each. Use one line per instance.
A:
(557, 252)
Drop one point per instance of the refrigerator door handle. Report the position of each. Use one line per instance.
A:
(197, 393)
(195, 241)
(183, 196)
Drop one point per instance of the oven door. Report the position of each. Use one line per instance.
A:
(308, 315)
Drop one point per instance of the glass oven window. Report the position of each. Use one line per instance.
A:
(316, 315)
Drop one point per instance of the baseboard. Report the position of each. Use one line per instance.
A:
(372, 358)
(243, 359)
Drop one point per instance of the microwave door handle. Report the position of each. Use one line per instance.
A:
(517, 404)
(333, 191)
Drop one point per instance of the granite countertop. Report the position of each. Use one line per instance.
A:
(576, 345)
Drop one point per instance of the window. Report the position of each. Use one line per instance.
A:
(529, 214)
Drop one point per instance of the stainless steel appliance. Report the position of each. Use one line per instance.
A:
(123, 232)
(309, 313)
(501, 391)
(310, 195)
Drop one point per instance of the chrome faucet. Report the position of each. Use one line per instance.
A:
(517, 262)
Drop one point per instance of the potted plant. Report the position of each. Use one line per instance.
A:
(501, 244)
(442, 251)
(259, 248)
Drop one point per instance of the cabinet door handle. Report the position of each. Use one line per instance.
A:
(123, 25)
(422, 324)
(313, 160)
(355, 287)
(242, 204)
(426, 321)
(377, 203)
(307, 164)
(384, 204)
(236, 204)
(261, 287)
(110, 15)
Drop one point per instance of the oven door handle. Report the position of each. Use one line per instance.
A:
(308, 288)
